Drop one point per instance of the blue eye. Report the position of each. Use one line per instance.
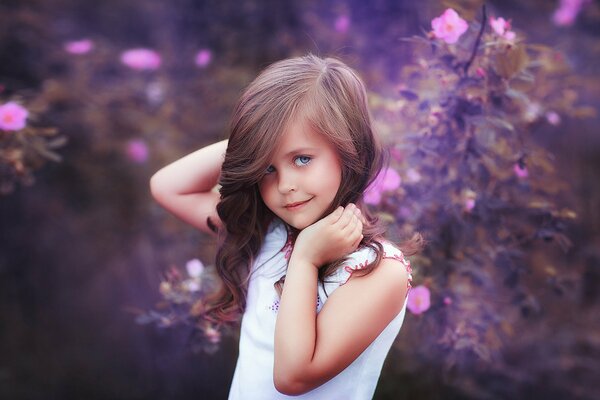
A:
(270, 169)
(302, 160)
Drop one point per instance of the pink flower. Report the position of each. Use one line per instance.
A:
(79, 46)
(212, 334)
(387, 180)
(567, 11)
(502, 28)
(521, 172)
(553, 118)
(194, 268)
(413, 176)
(141, 59)
(469, 199)
(447, 300)
(13, 116)
(481, 72)
(469, 204)
(203, 58)
(137, 150)
(449, 26)
(342, 23)
(419, 300)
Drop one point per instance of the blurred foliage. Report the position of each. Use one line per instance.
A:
(483, 191)
(468, 132)
(24, 150)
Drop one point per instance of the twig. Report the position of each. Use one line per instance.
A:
(483, 22)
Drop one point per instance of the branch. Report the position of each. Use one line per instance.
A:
(483, 22)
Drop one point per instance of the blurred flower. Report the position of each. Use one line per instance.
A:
(419, 300)
(203, 58)
(447, 300)
(469, 199)
(191, 285)
(405, 212)
(521, 172)
(137, 150)
(387, 180)
(449, 26)
(13, 116)
(342, 23)
(141, 59)
(155, 93)
(396, 154)
(79, 46)
(212, 334)
(164, 288)
(413, 176)
(194, 268)
(502, 28)
(567, 11)
(481, 72)
(532, 112)
(553, 118)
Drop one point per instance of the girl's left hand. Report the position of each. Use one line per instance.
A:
(330, 238)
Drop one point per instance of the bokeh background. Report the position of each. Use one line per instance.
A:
(82, 244)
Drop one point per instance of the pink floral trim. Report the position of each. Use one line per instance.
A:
(397, 255)
(287, 247)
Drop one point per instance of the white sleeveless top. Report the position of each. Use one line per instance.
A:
(253, 377)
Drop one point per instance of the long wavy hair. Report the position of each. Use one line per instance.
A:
(331, 98)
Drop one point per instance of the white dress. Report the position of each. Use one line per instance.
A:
(253, 377)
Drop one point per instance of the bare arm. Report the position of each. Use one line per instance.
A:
(186, 187)
(312, 348)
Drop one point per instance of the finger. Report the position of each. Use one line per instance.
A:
(361, 215)
(345, 218)
(336, 214)
(357, 242)
(352, 232)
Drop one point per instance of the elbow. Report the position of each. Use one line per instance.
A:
(155, 187)
(289, 386)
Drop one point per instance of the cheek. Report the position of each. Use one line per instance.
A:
(267, 193)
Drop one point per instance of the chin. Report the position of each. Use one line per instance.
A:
(298, 223)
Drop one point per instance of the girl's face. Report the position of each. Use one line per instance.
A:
(303, 178)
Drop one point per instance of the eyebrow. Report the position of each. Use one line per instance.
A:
(301, 150)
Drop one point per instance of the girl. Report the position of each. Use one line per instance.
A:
(321, 293)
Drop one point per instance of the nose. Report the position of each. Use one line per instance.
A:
(286, 182)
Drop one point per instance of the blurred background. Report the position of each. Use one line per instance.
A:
(82, 243)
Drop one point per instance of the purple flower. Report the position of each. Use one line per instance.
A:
(79, 46)
(13, 116)
(137, 150)
(387, 180)
(449, 26)
(203, 58)
(419, 300)
(141, 59)
(342, 23)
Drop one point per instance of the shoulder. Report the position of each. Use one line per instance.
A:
(393, 265)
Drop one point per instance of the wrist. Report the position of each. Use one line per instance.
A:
(297, 258)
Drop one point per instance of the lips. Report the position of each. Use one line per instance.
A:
(297, 205)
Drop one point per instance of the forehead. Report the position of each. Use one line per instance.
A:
(300, 136)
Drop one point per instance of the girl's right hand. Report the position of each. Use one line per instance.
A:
(330, 238)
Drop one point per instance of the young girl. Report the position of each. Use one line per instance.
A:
(321, 292)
